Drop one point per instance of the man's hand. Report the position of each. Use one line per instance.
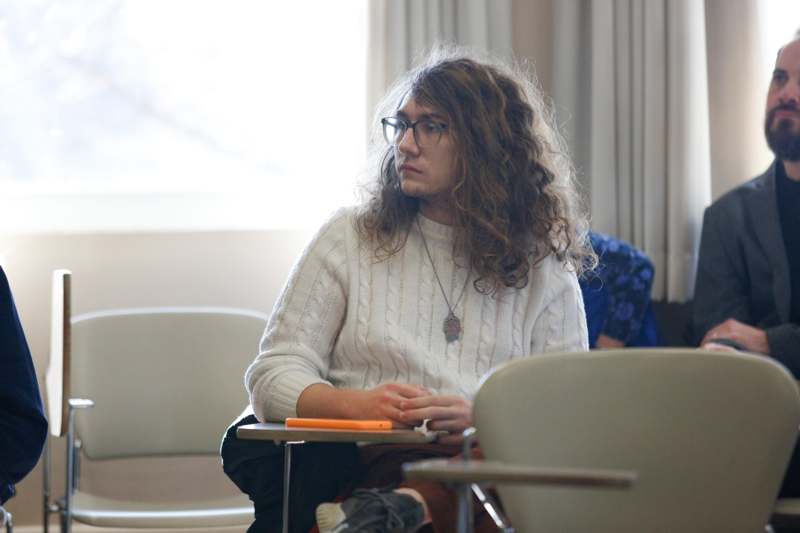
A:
(715, 347)
(752, 338)
(446, 413)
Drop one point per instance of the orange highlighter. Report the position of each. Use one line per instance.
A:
(338, 423)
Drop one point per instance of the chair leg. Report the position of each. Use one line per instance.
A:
(6, 520)
(69, 487)
(62, 520)
(465, 517)
(76, 464)
(46, 485)
(70, 481)
(492, 509)
(287, 479)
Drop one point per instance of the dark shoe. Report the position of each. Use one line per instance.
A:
(373, 511)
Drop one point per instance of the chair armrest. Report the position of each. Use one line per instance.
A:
(477, 471)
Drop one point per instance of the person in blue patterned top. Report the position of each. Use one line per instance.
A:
(616, 295)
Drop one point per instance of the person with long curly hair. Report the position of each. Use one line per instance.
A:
(463, 255)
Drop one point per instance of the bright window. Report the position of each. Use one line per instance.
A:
(780, 20)
(179, 114)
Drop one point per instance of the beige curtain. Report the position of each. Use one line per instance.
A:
(737, 86)
(401, 31)
(630, 85)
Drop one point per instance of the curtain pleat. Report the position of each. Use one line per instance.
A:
(639, 124)
(402, 31)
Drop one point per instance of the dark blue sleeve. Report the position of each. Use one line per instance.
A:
(23, 427)
(595, 304)
(626, 275)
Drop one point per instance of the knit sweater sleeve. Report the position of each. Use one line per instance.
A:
(561, 325)
(305, 322)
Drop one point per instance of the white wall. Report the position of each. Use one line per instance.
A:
(238, 269)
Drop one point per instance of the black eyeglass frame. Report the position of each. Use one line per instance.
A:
(401, 126)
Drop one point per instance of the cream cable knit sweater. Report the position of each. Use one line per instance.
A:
(349, 321)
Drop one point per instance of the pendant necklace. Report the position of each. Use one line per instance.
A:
(452, 324)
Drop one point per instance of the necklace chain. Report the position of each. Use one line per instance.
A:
(452, 324)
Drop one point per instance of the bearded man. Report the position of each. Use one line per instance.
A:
(747, 292)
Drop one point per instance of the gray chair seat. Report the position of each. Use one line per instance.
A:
(108, 512)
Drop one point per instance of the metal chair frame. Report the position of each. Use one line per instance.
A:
(63, 413)
(6, 520)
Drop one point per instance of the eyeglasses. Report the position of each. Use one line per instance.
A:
(427, 132)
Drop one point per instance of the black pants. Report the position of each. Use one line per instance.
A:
(320, 472)
(791, 481)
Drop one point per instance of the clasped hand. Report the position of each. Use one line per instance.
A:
(449, 413)
(752, 338)
(409, 405)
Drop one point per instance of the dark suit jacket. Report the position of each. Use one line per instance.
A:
(23, 427)
(743, 272)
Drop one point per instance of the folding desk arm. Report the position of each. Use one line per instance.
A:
(475, 472)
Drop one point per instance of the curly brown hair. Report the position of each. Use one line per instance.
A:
(514, 200)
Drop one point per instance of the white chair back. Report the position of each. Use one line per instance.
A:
(58, 369)
(709, 435)
(164, 381)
